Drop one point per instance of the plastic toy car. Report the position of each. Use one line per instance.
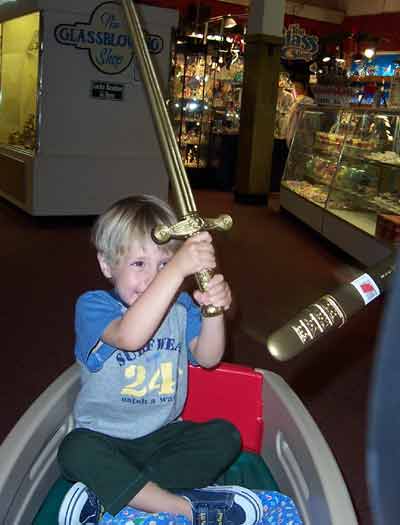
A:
(273, 422)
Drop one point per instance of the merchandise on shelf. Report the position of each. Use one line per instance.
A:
(313, 192)
(191, 91)
(387, 157)
(388, 201)
(333, 94)
(27, 137)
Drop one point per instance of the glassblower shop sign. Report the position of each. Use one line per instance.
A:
(298, 45)
(106, 38)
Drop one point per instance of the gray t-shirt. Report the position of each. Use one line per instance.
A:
(131, 394)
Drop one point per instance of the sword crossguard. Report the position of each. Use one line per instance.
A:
(188, 226)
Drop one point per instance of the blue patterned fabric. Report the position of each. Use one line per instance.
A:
(278, 510)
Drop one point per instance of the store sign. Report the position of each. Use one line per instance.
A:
(106, 38)
(107, 90)
(298, 45)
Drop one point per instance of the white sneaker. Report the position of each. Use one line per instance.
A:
(80, 506)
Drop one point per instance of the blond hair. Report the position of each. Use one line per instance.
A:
(129, 219)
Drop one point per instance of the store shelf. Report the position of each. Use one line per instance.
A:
(315, 179)
(371, 78)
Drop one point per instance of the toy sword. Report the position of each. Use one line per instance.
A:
(190, 221)
(331, 311)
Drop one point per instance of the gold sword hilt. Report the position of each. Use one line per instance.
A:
(187, 227)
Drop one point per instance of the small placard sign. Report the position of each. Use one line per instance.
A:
(107, 90)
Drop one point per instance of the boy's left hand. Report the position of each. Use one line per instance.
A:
(218, 293)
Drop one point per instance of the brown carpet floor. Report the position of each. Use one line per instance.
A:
(276, 266)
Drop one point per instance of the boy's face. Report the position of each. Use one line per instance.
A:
(136, 270)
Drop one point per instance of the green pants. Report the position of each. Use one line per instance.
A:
(179, 455)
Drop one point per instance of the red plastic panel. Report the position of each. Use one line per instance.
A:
(231, 392)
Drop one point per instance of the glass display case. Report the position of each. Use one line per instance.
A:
(205, 99)
(19, 63)
(342, 178)
(314, 155)
(19, 70)
(227, 97)
(74, 118)
(191, 87)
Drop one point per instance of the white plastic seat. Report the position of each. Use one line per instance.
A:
(292, 446)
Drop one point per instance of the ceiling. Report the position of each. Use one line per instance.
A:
(340, 5)
(346, 7)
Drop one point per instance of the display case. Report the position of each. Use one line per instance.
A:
(227, 96)
(191, 87)
(19, 54)
(19, 74)
(205, 99)
(76, 133)
(342, 178)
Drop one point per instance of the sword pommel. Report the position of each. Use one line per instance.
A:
(222, 223)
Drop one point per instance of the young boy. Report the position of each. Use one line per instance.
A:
(129, 447)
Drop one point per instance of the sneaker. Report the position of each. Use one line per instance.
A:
(80, 506)
(224, 505)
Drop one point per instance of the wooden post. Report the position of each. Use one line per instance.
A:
(260, 88)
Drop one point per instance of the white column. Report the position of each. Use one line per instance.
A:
(266, 16)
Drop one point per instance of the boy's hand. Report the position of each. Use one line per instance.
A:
(195, 254)
(218, 293)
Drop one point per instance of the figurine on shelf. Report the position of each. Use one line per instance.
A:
(190, 157)
(29, 132)
(33, 46)
(14, 139)
(26, 138)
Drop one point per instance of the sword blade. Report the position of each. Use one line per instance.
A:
(166, 136)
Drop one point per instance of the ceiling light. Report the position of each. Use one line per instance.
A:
(369, 52)
(326, 59)
(229, 22)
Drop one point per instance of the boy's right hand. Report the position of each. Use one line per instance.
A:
(195, 254)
